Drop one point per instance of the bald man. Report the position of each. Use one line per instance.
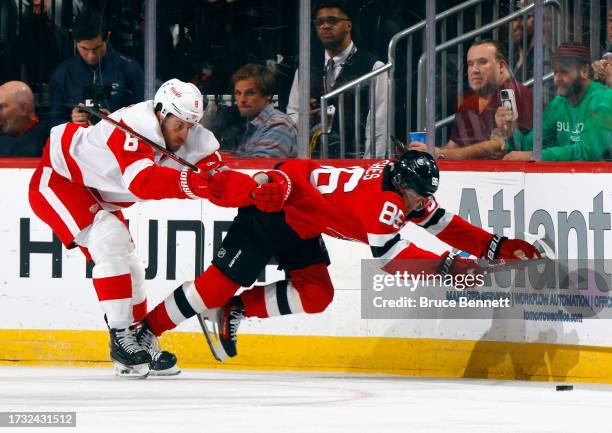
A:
(21, 134)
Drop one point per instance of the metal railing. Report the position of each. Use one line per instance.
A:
(470, 35)
(339, 92)
(391, 52)
(447, 120)
(356, 84)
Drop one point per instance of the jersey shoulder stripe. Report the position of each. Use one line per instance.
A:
(441, 221)
(394, 249)
(379, 240)
(380, 251)
(434, 218)
(134, 170)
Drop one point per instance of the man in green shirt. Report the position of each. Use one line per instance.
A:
(577, 124)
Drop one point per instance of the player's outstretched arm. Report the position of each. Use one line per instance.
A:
(266, 190)
(459, 233)
(149, 181)
(467, 237)
(415, 260)
(155, 182)
(227, 188)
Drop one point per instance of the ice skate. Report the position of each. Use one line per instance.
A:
(220, 326)
(163, 363)
(233, 313)
(129, 358)
(209, 320)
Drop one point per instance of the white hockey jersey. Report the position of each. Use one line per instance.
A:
(116, 167)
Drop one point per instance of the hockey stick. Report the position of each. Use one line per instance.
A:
(512, 265)
(543, 245)
(130, 131)
(546, 251)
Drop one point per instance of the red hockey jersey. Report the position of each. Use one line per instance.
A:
(359, 203)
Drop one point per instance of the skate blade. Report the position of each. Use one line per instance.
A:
(173, 371)
(139, 371)
(210, 329)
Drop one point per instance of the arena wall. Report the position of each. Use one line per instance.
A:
(49, 313)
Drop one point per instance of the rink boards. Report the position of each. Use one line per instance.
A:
(49, 313)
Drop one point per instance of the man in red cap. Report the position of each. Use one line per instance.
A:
(577, 124)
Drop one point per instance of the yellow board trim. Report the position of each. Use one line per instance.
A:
(401, 356)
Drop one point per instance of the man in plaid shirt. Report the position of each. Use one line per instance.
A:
(270, 133)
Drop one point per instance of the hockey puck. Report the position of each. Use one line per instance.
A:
(564, 387)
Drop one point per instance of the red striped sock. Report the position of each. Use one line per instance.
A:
(159, 321)
(140, 311)
(254, 302)
(115, 295)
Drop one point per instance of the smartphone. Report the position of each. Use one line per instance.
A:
(508, 100)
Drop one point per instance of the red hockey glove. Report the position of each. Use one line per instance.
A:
(198, 185)
(210, 162)
(274, 188)
(500, 247)
(195, 185)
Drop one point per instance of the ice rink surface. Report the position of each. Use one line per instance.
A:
(235, 401)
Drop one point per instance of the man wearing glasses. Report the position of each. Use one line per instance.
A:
(98, 76)
(343, 62)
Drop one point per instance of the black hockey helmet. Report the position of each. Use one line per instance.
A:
(417, 171)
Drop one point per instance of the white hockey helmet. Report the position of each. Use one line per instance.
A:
(184, 100)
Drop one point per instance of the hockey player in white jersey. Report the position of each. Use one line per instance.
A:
(88, 174)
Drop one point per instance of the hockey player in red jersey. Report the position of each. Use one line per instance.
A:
(368, 204)
(88, 174)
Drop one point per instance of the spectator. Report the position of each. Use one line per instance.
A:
(523, 56)
(25, 135)
(341, 63)
(98, 73)
(523, 63)
(602, 69)
(577, 124)
(488, 73)
(269, 132)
